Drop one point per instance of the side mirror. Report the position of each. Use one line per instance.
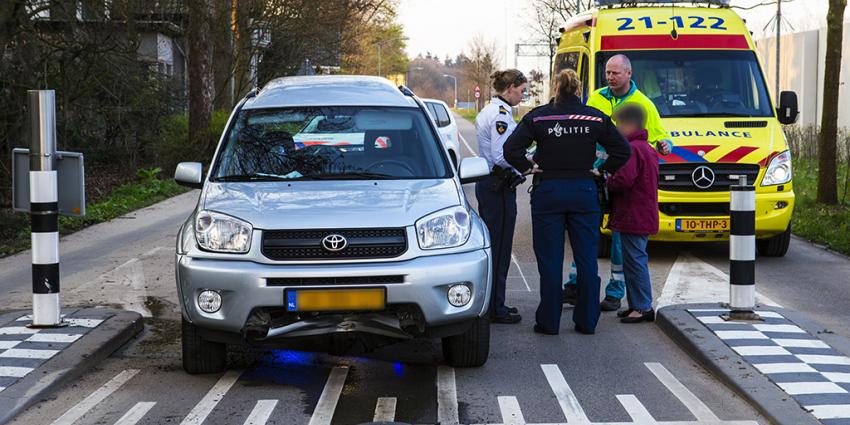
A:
(473, 169)
(787, 111)
(189, 174)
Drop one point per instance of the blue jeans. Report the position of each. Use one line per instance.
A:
(498, 210)
(616, 287)
(636, 268)
(572, 204)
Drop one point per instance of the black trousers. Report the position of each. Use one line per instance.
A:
(498, 209)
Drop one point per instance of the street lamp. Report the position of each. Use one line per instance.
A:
(455, 81)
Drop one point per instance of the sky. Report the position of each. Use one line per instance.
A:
(444, 27)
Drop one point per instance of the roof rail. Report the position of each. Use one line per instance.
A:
(601, 3)
(406, 91)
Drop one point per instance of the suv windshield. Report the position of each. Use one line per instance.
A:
(697, 83)
(332, 143)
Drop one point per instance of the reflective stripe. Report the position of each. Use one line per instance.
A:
(43, 186)
(742, 297)
(45, 248)
(742, 248)
(45, 309)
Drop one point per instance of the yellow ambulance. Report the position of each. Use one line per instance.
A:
(697, 62)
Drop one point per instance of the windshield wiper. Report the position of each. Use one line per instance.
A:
(354, 175)
(251, 177)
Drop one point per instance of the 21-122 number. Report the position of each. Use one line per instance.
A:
(697, 22)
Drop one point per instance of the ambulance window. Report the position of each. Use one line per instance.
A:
(567, 60)
(585, 78)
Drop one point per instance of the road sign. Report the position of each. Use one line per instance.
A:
(477, 92)
(71, 184)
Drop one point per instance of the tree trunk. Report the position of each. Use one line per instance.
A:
(200, 74)
(827, 141)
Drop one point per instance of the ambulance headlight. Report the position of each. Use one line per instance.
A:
(444, 229)
(779, 170)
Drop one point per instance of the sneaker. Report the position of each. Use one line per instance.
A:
(507, 319)
(569, 295)
(609, 304)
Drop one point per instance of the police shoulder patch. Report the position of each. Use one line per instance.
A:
(503, 110)
(501, 127)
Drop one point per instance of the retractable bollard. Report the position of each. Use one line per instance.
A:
(742, 251)
(44, 210)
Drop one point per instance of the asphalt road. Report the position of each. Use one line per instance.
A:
(623, 374)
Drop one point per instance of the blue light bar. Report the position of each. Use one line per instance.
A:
(600, 3)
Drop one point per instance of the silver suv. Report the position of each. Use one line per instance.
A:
(331, 211)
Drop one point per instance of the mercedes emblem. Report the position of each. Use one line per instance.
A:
(334, 242)
(703, 177)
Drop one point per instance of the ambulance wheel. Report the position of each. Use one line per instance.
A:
(604, 247)
(200, 355)
(776, 246)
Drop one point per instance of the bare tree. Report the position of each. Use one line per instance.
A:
(483, 58)
(827, 141)
(545, 17)
(200, 72)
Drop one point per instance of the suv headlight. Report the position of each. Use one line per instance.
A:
(779, 170)
(444, 229)
(222, 233)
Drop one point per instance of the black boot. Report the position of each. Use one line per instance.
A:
(609, 304)
(569, 295)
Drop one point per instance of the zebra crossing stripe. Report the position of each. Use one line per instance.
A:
(261, 413)
(636, 409)
(83, 407)
(324, 412)
(447, 408)
(564, 394)
(692, 402)
(511, 412)
(136, 413)
(204, 407)
(385, 409)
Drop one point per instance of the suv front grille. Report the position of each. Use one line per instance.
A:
(286, 245)
(680, 177)
(323, 281)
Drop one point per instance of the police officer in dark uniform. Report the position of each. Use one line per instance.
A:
(496, 194)
(565, 195)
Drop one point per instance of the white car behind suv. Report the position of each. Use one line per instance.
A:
(448, 127)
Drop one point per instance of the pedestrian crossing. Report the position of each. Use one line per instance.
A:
(267, 410)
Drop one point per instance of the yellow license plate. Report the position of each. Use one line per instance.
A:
(335, 299)
(699, 225)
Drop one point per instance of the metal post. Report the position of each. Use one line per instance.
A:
(455, 81)
(778, 46)
(742, 251)
(44, 209)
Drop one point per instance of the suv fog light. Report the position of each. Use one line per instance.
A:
(209, 301)
(459, 295)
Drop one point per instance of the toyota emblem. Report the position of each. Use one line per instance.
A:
(334, 243)
(703, 177)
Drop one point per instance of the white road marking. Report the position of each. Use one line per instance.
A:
(801, 388)
(516, 263)
(636, 409)
(740, 335)
(5, 345)
(814, 359)
(136, 413)
(2, 388)
(14, 371)
(385, 409)
(841, 378)
(564, 394)
(768, 368)
(769, 315)
(93, 399)
(694, 404)
(447, 408)
(201, 410)
(511, 413)
(86, 323)
(19, 353)
(17, 330)
(467, 144)
(779, 328)
(693, 281)
(758, 350)
(712, 320)
(324, 412)
(261, 413)
(801, 343)
(63, 338)
(830, 411)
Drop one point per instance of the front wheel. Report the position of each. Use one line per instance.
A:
(471, 348)
(200, 355)
(776, 246)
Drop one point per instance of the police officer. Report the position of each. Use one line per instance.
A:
(564, 195)
(496, 194)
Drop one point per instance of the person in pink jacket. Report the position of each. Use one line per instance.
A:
(634, 205)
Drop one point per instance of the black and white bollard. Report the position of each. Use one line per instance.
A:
(742, 251)
(44, 209)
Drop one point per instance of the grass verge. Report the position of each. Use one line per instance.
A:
(467, 114)
(147, 190)
(823, 224)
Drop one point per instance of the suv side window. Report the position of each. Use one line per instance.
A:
(442, 115)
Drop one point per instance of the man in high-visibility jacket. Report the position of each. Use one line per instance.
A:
(621, 90)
